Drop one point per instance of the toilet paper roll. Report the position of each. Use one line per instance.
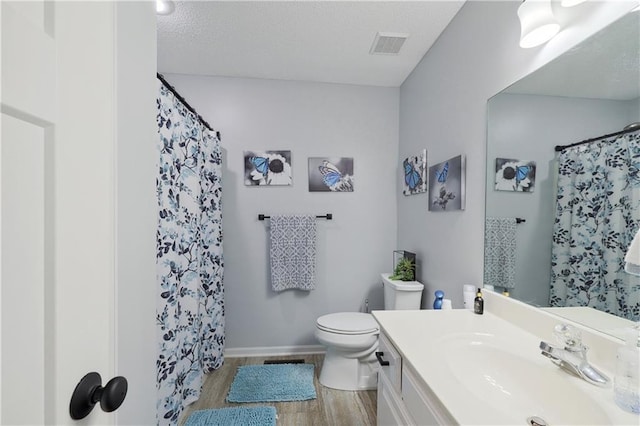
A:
(446, 304)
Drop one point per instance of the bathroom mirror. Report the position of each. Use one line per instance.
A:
(589, 91)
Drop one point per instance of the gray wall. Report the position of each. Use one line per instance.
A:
(443, 108)
(527, 128)
(634, 109)
(311, 120)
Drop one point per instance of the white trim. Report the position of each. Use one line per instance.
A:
(273, 351)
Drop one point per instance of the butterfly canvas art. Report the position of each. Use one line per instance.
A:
(447, 185)
(415, 174)
(515, 175)
(267, 168)
(330, 174)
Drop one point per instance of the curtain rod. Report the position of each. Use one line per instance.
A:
(621, 132)
(186, 104)
(327, 216)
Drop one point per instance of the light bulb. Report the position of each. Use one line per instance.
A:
(164, 7)
(537, 22)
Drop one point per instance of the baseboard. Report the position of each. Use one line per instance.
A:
(274, 351)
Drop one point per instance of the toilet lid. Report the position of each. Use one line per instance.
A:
(348, 323)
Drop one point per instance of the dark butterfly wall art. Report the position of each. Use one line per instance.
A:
(447, 185)
(267, 168)
(415, 174)
(515, 175)
(330, 174)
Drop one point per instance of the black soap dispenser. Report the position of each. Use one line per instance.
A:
(478, 303)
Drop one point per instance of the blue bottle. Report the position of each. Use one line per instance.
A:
(437, 304)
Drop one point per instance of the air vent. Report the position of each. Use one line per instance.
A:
(388, 43)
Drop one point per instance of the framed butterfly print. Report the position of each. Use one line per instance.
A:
(330, 174)
(515, 175)
(415, 174)
(447, 185)
(267, 168)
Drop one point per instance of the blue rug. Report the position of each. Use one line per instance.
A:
(234, 416)
(272, 383)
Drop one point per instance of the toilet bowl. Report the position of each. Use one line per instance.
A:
(351, 339)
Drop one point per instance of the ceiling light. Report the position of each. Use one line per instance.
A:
(164, 7)
(537, 23)
(571, 3)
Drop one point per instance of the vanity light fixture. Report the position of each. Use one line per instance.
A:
(632, 258)
(538, 25)
(164, 7)
(571, 3)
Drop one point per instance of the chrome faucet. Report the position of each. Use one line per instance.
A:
(571, 355)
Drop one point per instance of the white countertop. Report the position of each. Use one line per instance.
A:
(418, 334)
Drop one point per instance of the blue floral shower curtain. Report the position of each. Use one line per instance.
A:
(190, 309)
(597, 215)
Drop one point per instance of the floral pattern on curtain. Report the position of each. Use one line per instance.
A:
(190, 309)
(597, 216)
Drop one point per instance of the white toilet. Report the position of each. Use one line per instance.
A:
(351, 339)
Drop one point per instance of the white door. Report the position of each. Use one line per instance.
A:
(57, 214)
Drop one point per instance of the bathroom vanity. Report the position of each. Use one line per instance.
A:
(402, 397)
(455, 367)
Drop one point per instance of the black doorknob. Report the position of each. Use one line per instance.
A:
(90, 391)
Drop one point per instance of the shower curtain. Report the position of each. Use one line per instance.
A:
(190, 309)
(597, 215)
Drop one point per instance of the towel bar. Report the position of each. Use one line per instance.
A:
(327, 216)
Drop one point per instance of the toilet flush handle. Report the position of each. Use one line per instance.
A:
(382, 362)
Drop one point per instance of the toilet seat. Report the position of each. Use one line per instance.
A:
(348, 323)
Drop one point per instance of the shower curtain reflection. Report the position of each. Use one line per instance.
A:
(597, 215)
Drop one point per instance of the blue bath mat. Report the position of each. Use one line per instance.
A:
(234, 416)
(272, 383)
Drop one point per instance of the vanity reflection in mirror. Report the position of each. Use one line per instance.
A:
(580, 205)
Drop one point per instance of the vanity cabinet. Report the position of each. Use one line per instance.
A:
(452, 367)
(391, 410)
(403, 399)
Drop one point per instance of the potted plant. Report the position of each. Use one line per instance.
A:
(405, 270)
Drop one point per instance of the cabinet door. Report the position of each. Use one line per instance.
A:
(423, 406)
(390, 408)
(390, 355)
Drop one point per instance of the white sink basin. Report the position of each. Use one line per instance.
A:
(514, 383)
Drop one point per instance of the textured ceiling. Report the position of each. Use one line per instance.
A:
(322, 41)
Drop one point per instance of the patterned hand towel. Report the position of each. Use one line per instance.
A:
(293, 252)
(500, 252)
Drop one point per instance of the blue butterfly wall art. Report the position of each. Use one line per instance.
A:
(515, 175)
(415, 174)
(447, 185)
(267, 168)
(330, 174)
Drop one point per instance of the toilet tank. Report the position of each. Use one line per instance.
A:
(401, 295)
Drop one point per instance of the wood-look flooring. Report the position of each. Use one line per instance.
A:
(330, 408)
